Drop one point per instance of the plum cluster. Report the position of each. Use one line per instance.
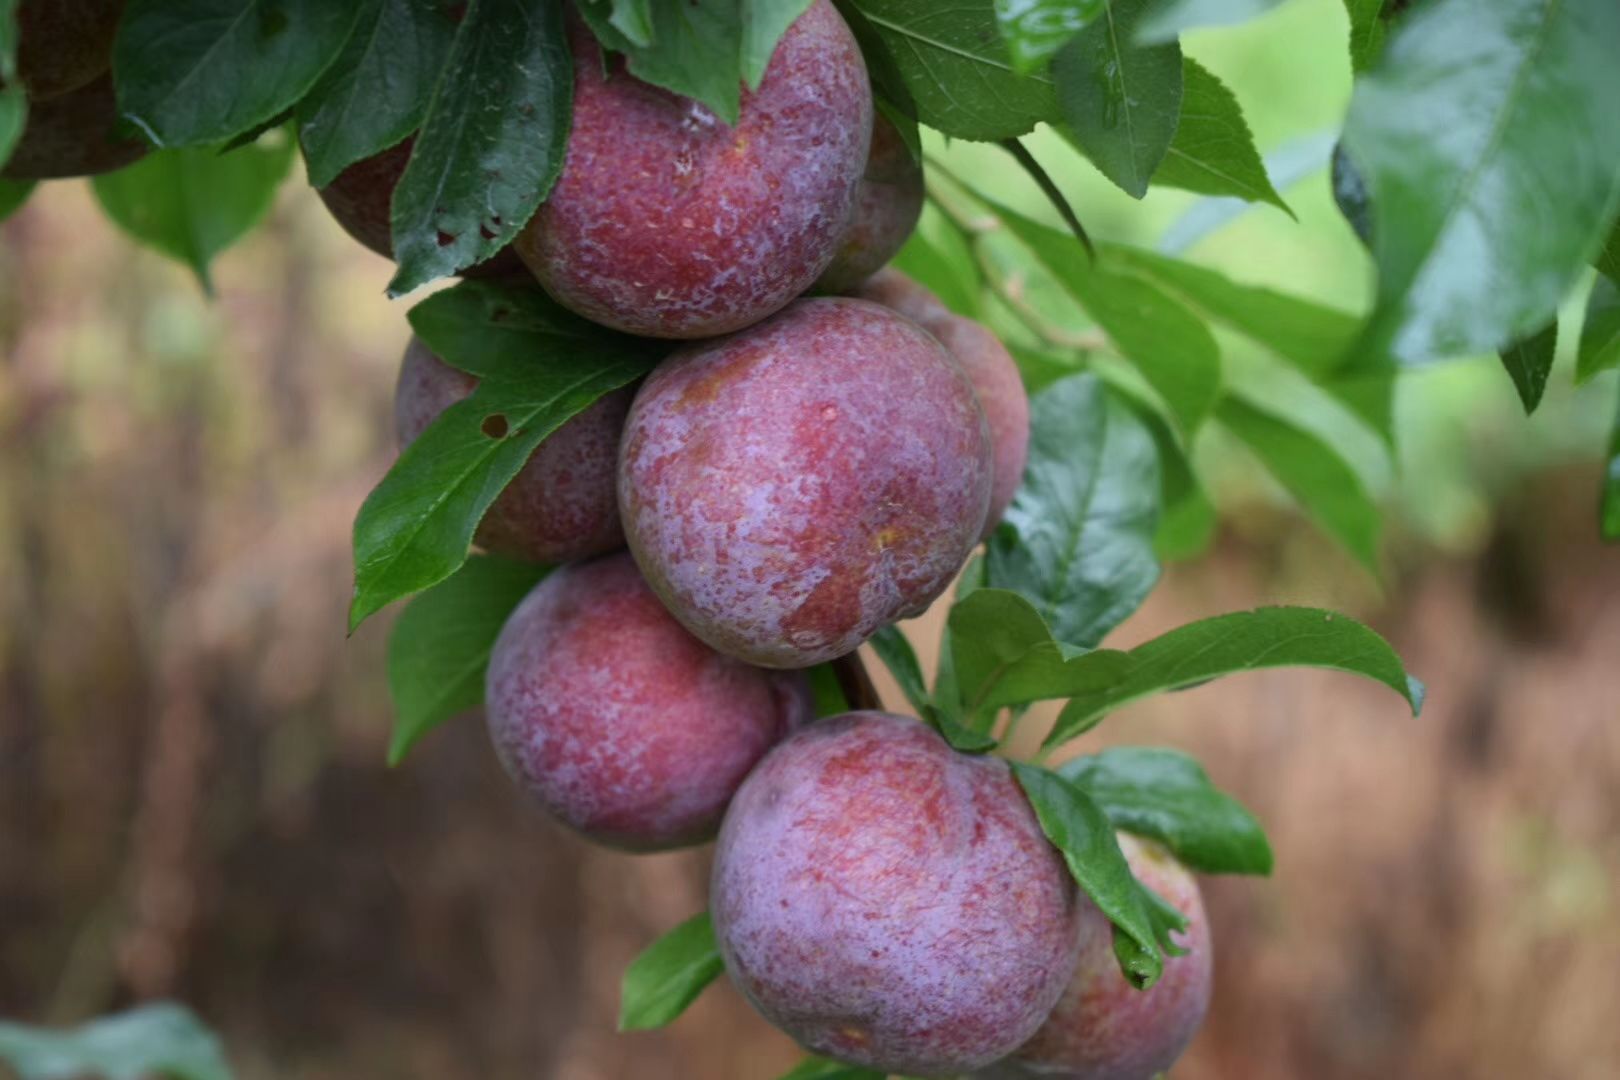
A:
(817, 459)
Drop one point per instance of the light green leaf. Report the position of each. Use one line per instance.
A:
(161, 1039)
(1243, 641)
(1166, 19)
(1600, 336)
(667, 977)
(634, 19)
(940, 257)
(1213, 152)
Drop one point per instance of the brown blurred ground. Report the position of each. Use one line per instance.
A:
(193, 801)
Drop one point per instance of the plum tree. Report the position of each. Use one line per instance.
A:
(63, 45)
(618, 721)
(1105, 1029)
(887, 206)
(73, 134)
(562, 504)
(361, 199)
(668, 223)
(891, 902)
(791, 488)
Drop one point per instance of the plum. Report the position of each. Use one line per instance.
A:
(667, 222)
(894, 290)
(887, 206)
(63, 45)
(620, 723)
(1105, 1029)
(361, 199)
(561, 505)
(890, 902)
(75, 134)
(792, 487)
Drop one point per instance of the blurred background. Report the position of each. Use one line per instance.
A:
(193, 799)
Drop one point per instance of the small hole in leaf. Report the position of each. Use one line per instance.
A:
(483, 230)
(495, 426)
(446, 239)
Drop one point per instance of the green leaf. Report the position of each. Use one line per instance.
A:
(816, 1068)
(538, 366)
(194, 72)
(1213, 152)
(669, 975)
(956, 68)
(1608, 260)
(1313, 473)
(377, 92)
(826, 692)
(1529, 361)
(1120, 100)
(1366, 32)
(13, 118)
(1175, 352)
(1167, 796)
(1609, 509)
(13, 193)
(1242, 641)
(900, 658)
(492, 144)
(1077, 540)
(1003, 654)
(439, 648)
(192, 204)
(1187, 519)
(1166, 19)
(695, 51)
(763, 24)
(8, 40)
(940, 257)
(1036, 29)
(1486, 137)
(1600, 336)
(1078, 828)
(634, 19)
(162, 1039)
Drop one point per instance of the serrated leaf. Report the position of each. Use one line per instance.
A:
(13, 193)
(956, 68)
(1035, 30)
(439, 648)
(1366, 32)
(817, 1068)
(1242, 641)
(1329, 489)
(1474, 114)
(1077, 540)
(1213, 151)
(192, 204)
(1175, 352)
(669, 975)
(378, 90)
(892, 647)
(1121, 101)
(1529, 361)
(1600, 335)
(1165, 20)
(538, 366)
(493, 142)
(1297, 159)
(1079, 829)
(1166, 795)
(195, 72)
(161, 1039)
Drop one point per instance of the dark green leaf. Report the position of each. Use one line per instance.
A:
(1242, 641)
(8, 40)
(816, 1068)
(826, 691)
(13, 118)
(1078, 538)
(1609, 508)
(538, 366)
(1608, 260)
(161, 1039)
(900, 658)
(1600, 336)
(1486, 137)
(1036, 29)
(13, 193)
(1120, 100)
(378, 90)
(194, 72)
(13, 102)
(1528, 362)
(439, 648)
(1187, 519)
(666, 978)
(1366, 32)
(1167, 795)
(1166, 19)
(695, 51)
(956, 67)
(1313, 473)
(1174, 350)
(1078, 828)
(192, 204)
(1213, 152)
(1054, 195)
(493, 142)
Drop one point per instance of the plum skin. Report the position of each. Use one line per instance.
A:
(562, 504)
(666, 222)
(887, 205)
(72, 134)
(1105, 1029)
(791, 488)
(890, 902)
(616, 720)
(63, 45)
